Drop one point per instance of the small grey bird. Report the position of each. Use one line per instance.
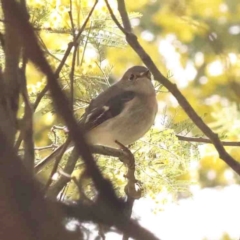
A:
(123, 112)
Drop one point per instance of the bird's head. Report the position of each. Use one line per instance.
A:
(138, 79)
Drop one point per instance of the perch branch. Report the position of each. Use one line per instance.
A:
(69, 167)
(130, 188)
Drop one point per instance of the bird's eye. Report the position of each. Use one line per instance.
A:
(131, 76)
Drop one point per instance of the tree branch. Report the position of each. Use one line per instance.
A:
(158, 76)
(124, 15)
(71, 75)
(55, 166)
(206, 140)
(62, 181)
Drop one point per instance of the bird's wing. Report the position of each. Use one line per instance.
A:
(102, 108)
(97, 114)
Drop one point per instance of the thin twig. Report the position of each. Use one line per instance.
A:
(41, 164)
(57, 187)
(61, 197)
(206, 140)
(124, 16)
(71, 75)
(51, 146)
(71, 20)
(114, 18)
(85, 45)
(55, 167)
(46, 49)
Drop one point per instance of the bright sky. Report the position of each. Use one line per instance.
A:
(208, 214)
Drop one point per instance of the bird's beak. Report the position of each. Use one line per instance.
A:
(146, 74)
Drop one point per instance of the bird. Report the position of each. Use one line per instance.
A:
(124, 112)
